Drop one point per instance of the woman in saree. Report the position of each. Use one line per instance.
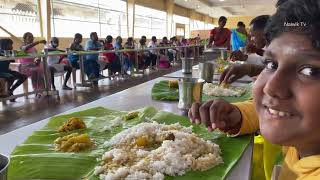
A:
(239, 36)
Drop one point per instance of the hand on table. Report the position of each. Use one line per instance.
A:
(216, 114)
(234, 72)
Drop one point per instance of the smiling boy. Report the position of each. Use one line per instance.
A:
(286, 104)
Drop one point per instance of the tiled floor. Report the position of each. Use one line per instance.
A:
(27, 111)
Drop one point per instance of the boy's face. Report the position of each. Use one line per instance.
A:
(222, 23)
(94, 37)
(257, 38)
(78, 40)
(55, 43)
(286, 93)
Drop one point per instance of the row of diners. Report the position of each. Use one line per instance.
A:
(97, 55)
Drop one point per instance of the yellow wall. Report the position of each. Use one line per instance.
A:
(233, 21)
(204, 34)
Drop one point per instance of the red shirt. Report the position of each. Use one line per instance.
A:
(221, 37)
(111, 56)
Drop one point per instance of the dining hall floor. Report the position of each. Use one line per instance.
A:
(27, 111)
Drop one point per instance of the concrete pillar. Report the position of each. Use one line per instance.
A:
(45, 18)
(169, 8)
(130, 17)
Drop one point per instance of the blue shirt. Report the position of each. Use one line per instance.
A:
(117, 46)
(92, 45)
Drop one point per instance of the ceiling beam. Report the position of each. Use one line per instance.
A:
(207, 2)
(227, 11)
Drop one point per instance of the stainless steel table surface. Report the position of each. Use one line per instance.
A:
(133, 98)
(195, 74)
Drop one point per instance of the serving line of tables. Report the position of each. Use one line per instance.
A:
(130, 99)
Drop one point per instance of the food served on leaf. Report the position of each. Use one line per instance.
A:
(220, 65)
(224, 85)
(72, 124)
(73, 143)
(21, 53)
(131, 115)
(153, 150)
(116, 122)
(173, 84)
(220, 91)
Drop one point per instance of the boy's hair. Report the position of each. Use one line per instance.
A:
(259, 23)
(118, 37)
(222, 18)
(26, 34)
(240, 23)
(54, 39)
(77, 35)
(4, 43)
(153, 38)
(280, 2)
(130, 39)
(143, 37)
(305, 12)
(92, 33)
(109, 38)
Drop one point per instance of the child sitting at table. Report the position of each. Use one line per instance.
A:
(113, 61)
(129, 57)
(55, 65)
(75, 46)
(163, 60)
(9, 75)
(285, 104)
(32, 67)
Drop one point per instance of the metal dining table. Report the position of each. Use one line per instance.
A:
(133, 98)
(195, 74)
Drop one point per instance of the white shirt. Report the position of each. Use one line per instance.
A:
(52, 59)
(254, 59)
(152, 45)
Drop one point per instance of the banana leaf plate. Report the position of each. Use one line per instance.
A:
(162, 92)
(37, 159)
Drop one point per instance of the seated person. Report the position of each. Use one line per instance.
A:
(184, 42)
(144, 55)
(113, 61)
(254, 64)
(152, 61)
(9, 75)
(285, 101)
(55, 65)
(32, 67)
(91, 65)
(164, 61)
(75, 46)
(256, 42)
(172, 53)
(129, 57)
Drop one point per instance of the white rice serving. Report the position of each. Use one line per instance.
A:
(153, 150)
(218, 91)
